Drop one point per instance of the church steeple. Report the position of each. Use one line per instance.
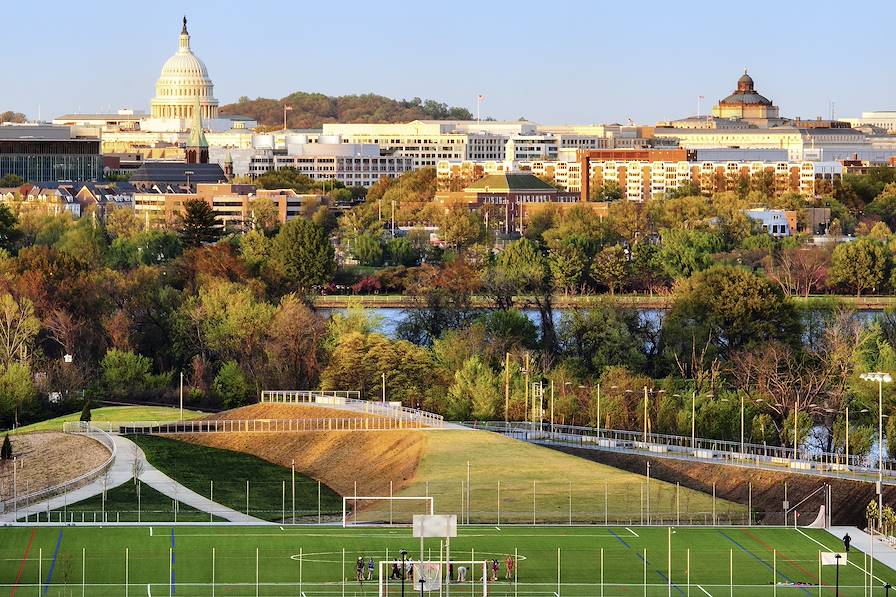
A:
(197, 146)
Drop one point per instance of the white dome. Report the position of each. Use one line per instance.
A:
(183, 80)
(184, 65)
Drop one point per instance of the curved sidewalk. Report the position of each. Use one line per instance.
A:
(128, 459)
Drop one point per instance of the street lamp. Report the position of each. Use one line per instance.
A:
(404, 559)
(188, 174)
(881, 379)
(285, 110)
(837, 576)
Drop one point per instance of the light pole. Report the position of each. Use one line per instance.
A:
(181, 395)
(404, 558)
(188, 174)
(837, 575)
(285, 110)
(881, 379)
(384, 389)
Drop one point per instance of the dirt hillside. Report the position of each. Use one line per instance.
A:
(733, 483)
(338, 459)
(48, 458)
(287, 411)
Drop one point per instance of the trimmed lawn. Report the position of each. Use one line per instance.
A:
(226, 476)
(115, 413)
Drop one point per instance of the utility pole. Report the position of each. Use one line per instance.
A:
(527, 386)
(506, 387)
(181, 395)
(384, 388)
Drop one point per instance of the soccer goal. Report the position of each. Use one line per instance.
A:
(464, 578)
(384, 510)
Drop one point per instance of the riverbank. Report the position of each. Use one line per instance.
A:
(637, 301)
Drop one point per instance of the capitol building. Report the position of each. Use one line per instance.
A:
(183, 84)
(184, 78)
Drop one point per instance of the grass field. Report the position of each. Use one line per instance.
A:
(115, 413)
(310, 561)
(197, 466)
(122, 504)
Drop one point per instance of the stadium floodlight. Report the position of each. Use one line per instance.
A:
(881, 378)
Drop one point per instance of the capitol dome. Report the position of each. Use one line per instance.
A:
(184, 78)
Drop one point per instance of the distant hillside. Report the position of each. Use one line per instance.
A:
(10, 116)
(311, 110)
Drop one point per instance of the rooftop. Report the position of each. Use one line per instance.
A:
(506, 183)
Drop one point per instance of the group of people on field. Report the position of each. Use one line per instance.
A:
(406, 570)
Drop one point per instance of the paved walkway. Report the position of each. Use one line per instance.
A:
(883, 552)
(128, 459)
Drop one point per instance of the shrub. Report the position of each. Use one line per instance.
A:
(6, 450)
(85, 412)
(230, 386)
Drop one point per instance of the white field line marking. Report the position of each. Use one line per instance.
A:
(281, 528)
(497, 528)
(848, 561)
(148, 591)
(632, 532)
(150, 531)
(704, 590)
(592, 535)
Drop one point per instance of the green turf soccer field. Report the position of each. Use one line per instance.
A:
(273, 560)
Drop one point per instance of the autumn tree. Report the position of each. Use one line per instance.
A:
(18, 329)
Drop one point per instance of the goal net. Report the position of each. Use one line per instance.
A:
(384, 510)
(457, 577)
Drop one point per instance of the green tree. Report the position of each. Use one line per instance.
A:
(600, 336)
(612, 267)
(124, 372)
(199, 224)
(860, 265)
(123, 223)
(368, 250)
(265, 215)
(569, 265)
(11, 180)
(9, 232)
(522, 269)
(884, 206)
(475, 392)
(684, 252)
(17, 391)
(304, 253)
(230, 385)
(727, 308)
(402, 252)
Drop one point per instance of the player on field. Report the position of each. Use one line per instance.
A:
(359, 568)
(508, 568)
(370, 566)
(495, 568)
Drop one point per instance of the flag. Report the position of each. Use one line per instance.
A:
(480, 97)
(701, 98)
(287, 108)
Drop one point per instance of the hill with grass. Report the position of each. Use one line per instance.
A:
(311, 110)
(439, 463)
(114, 413)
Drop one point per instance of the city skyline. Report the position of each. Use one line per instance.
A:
(551, 79)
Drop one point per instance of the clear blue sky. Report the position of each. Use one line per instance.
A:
(552, 61)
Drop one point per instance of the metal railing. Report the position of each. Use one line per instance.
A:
(249, 425)
(350, 400)
(696, 449)
(96, 434)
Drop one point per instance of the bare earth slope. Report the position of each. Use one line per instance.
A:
(48, 458)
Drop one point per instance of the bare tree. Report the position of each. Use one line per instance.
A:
(799, 271)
